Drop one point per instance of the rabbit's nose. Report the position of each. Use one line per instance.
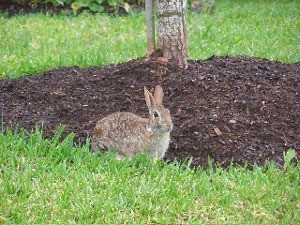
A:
(169, 126)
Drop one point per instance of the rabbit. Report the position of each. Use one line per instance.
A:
(131, 135)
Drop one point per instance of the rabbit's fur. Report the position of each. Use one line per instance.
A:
(131, 135)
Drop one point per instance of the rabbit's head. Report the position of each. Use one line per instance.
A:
(159, 118)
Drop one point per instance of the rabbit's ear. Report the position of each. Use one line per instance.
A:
(149, 98)
(158, 95)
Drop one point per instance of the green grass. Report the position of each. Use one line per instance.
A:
(46, 181)
(31, 44)
(35, 43)
(266, 29)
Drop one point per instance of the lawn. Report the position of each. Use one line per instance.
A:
(34, 43)
(52, 181)
(46, 181)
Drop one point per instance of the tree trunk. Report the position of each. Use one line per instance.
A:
(149, 9)
(172, 31)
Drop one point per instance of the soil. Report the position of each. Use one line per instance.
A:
(12, 8)
(230, 109)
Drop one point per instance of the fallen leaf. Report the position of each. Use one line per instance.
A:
(218, 131)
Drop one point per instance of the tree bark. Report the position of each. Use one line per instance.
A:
(172, 31)
(150, 26)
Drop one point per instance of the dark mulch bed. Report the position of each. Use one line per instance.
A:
(238, 109)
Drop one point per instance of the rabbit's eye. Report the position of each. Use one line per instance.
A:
(156, 114)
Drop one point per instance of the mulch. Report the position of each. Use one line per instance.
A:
(229, 109)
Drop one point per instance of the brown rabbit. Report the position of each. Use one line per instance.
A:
(131, 135)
